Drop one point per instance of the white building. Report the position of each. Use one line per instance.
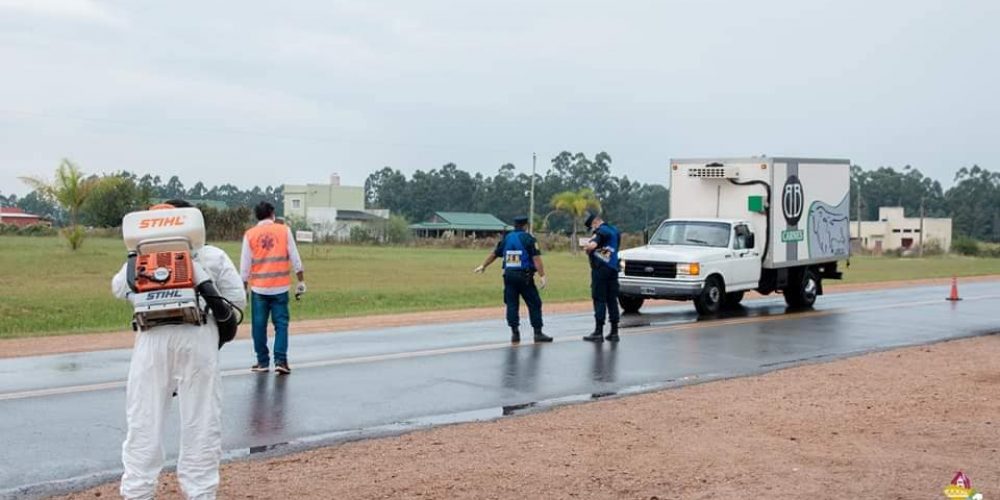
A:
(331, 210)
(894, 231)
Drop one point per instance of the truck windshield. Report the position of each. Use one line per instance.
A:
(690, 233)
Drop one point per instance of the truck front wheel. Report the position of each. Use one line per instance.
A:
(801, 293)
(710, 300)
(733, 299)
(630, 303)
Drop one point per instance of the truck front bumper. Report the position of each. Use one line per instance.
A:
(654, 288)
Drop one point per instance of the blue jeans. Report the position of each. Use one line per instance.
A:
(275, 306)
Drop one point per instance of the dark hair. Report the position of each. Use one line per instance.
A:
(178, 203)
(263, 210)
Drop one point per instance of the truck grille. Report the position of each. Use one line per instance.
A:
(649, 269)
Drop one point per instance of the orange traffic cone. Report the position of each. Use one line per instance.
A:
(954, 290)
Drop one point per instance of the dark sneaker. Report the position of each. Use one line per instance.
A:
(515, 335)
(596, 337)
(258, 368)
(282, 368)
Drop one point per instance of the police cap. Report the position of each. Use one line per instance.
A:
(590, 220)
(520, 220)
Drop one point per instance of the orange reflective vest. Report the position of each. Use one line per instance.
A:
(269, 265)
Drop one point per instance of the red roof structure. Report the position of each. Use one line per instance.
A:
(17, 217)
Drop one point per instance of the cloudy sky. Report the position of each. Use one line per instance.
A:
(264, 92)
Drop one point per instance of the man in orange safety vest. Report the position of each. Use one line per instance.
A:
(269, 254)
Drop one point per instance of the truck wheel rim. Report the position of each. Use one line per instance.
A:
(714, 294)
(810, 288)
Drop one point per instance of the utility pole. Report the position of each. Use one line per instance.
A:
(921, 227)
(861, 239)
(531, 216)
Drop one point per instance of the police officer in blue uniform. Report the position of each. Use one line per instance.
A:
(603, 252)
(521, 260)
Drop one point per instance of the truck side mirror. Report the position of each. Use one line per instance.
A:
(750, 241)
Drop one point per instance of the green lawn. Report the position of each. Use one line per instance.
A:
(50, 290)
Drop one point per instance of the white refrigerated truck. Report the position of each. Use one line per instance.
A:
(739, 224)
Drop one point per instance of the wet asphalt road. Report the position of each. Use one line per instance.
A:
(63, 416)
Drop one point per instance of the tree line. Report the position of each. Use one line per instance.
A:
(109, 197)
(973, 202)
(571, 184)
(629, 204)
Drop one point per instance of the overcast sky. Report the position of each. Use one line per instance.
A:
(265, 92)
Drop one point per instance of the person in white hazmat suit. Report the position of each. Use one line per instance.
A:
(185, 359)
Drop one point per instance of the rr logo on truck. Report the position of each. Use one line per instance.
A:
(792, 200)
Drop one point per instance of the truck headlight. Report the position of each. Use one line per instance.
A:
(621, 265)
(692, 269)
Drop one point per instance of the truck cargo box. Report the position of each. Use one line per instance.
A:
(798, 206)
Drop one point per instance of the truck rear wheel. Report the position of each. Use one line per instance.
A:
(710, 300)
(801, 293)
(630, 303)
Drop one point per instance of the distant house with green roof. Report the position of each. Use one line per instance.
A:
(461, 224)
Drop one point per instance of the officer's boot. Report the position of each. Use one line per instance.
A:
(613, 336)
(515, 335)
(598, 334)
(541, 337)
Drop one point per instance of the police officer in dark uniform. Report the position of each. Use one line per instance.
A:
(521, 260)
(603, 252)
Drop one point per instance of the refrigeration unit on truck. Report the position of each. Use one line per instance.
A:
(740, 224)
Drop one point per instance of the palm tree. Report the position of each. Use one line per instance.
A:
(576, 204)
(70, 190)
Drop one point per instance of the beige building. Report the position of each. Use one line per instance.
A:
(331, 210)
(894, 231)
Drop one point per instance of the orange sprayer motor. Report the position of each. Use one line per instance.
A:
(163, 271)
(160, 268)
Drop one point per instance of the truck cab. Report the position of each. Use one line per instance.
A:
(739, 224)
(686, 256)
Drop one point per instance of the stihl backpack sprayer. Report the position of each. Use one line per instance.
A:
(168, 286)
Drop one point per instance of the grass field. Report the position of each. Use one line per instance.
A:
(50, 290)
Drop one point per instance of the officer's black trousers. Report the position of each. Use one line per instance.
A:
(604, 291)
(517, 284)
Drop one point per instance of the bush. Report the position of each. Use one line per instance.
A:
(228, 224)
(933, 248)
(297, 223)
(361, 235)
(963, 245)
(37, 230)
(397, 231)
(75, 236)
(31, 230)
(991, 251)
